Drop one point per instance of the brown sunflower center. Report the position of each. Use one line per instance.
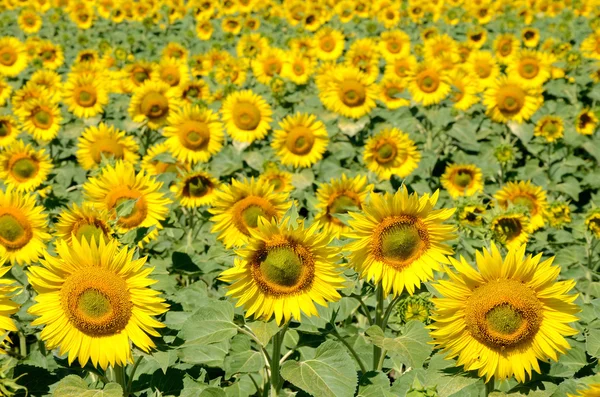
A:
(42, 118)
(8, 56)
(505, 48)
(5, 128)
(529, 35)
(194, 135)
(400, 240)
(272, 66)
(584, 120)
(24, 168)
(510, 99)
(508, 228)
(394, 46)
(463, 178)
(386, 152)
(298, 69)
(247, 211)
(353, 93)
(428, 82)
(246, 116)
(327, 43)
(197, 186)
(300, 140)
(86, 97)
(15, 231)
(108, 147)
(529, 69)
(503, 314)
(154, 105)
(483, 69)
(170, 76)
(96, 301)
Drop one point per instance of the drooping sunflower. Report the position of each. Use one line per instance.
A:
(586, 122)
(153, 102)
(239, 205)
(24, 168)
(283, 271)
(9, 130)
(550, 127)
(247, 116)
(464, 89)
(391, 152)
(507, 100)
(329, 44)
(590, 46)
(505, 47)
(154, 163)
(86, 221)
(13, 56)
(394, 44)
(504, 316)
(108, 141)
(339, 196)
(118, 184)
(393, 92)
(510, 228)
(428, 84)
(196, 189)
(399, 240)
(301, 141)
(23, 228)
(483, 65)
(51, 55)
(526, 194)
(348, 93)
(280, 180)
(86, 95)
(592, 221)
(41, 118)
(530, 68)
(93, 301)
(462, 180)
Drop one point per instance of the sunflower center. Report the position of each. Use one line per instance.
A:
(247, 211)
(107, 147)
(194, 135)
(246, 116)
(48, 55)
(550, 128)
(428, 82)
(24, 168)
(15, 231)
(505, 48)
(196, 187)
(483, 69)
(154, 105)
(192, 92)
(140, 76)
(400, 242)
(394, 46)
(282, 266)
(342, 204)
(529, 69)
(170, 76)
(96, 301)
(327, 43)
(86, 97)
(463, 178)
(386, 153)
(529, 35)
(510, 99)
(353, 93)
(401, 69)
(251, 215)
(8, 57)
(503, 314)
(4, 128)
(42, 118)
(89, 231)
(300, 140)
(524, 201)
(509, 228)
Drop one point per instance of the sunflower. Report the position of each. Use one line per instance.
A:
(283, 271)
(363, 55)
(50, 81)
(482, 65)
(249, 46)
(41, 118)
(464, 89)
(247, 116)
(83, 221)
(51, 55)
(153, 102)
(392, 92)
(558, 214)
(590, 46)
(530, 68)
(5, 91)
(94, 300)
(591, 391)
(29, 21)
(9, 130)
(428, 84)
(399, 240)
(527, 195)
(477, 37)
(135, 74)
(530, 37)
(196, 189)
(238, 206)
(348, 93)
(391, 152)
(154, 164)
(394, 44)
(401, 67)
(86, 95)
(511, 228)
(268, 64)
(13, 57)
(280, 180)
(592, 221)
(472, 215)
(231, 71)
(175, 50)
(462, 180)
(105, 141)
(586, 122)
(329, 44)
(302, 140)
(298, 69)
(505, 47)
(338, 197)
(550, 127)
(24, 168)
(507, 100)
(195, 90)
(23, 227)
(172, 71)
(441, 49)
(8, 290)
(204, 29)
(194, 134)
(119, 184)
(504, 316)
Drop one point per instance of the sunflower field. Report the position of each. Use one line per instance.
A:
(234, 198)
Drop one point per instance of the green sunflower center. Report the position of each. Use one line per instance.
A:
(529, 69)
(428, 83)
(94, 304)
(463, 178)
(8, 57)
(140, 77)
(24, 168)
(154, 105)
(42, 118)
(282, 267)
(504, 319)
(524, 201)
(386, 153)
(300, 140)
(246, 116)
(192, 92)
(327, 43)
(197, 186)
(88, 231)
(353, 93)
(251, 215)
(342, 204)
(10, 228)
(86, 98)
(401, 242)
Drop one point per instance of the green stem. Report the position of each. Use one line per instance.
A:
(22, 345)
(363, 369)
(389, 309)
(276, 382)
(120, 378)
(258, 342)
(364, 307)
(379, 322)
(132, 374)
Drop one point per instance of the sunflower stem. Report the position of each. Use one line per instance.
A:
(364, 308)
(379, 322)
(276, 382)
(389, 309)
(131, 375)
(363, 369)
(490, 387)
(121, 378)
(22, 345)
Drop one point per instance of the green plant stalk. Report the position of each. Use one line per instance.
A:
(379, 322)
(22, 345)
(352, 351)
(121, 378)
(276, 382)
(128, 391)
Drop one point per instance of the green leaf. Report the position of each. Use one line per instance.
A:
(243, 363)
(74, 386)
(165, 359)
(592, 343)
(264, 331)
(330, 373)
(411, 348)
(211, 323)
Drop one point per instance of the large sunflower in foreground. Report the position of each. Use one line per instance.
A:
(7, 307)
(13, 57)
(153, 102)
(247, 116)
(105, 141)
(238, 206)
(23, 167)
(462, 180)
(193, 134)
(528, 195)
(118, 184)
(302, 140)
(508, 100)
(391, 152)
(284, 271)
(83, 221)
(348, 93)
(93, 300)
(399, 240)
(503, 317)
(23, 228)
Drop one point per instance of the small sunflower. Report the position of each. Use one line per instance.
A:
(505, 47)
(51, 55)
(204, 29)
(586, 122)
(118, 184)
(238, 207)
(590, 46)
(592, 221)
(428, 84)
(29, 21)
(363, 56)
(268, 64)
(23, 228)
(549, 127)
(477, 36)
(280, 180)
(5, 91)
(462, 180)
(153, 102)
(399, 240)
(530, 68)
(9, 130)
(94, 301)
(507, 100)
(283, 271)
(393, 92)
(196, 189)
(301, 141)
(41, 118)
(195, 90)
(231, 71)
(250, 45)
(104, 140)
(348, 93)
(154, 163)
(558, 214)
(527, 195)
(472, 215)
(172, 71)
(49, 80)
(530, 37)
(27, 93)
(483, 65)
(176, 51)
(401, 67)
(510, 228)
(13, 57)
(24, 168)
(391, 152)
(86, 95)
(339, 196)
(440, 49)
(464, 89)
(504, 316)
(247, 116)
(83, 221)
(394, 44)
(329, 44)
(135, 74)
(298, 69)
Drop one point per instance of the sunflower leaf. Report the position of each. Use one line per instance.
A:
(74, 386)
(411, 348)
